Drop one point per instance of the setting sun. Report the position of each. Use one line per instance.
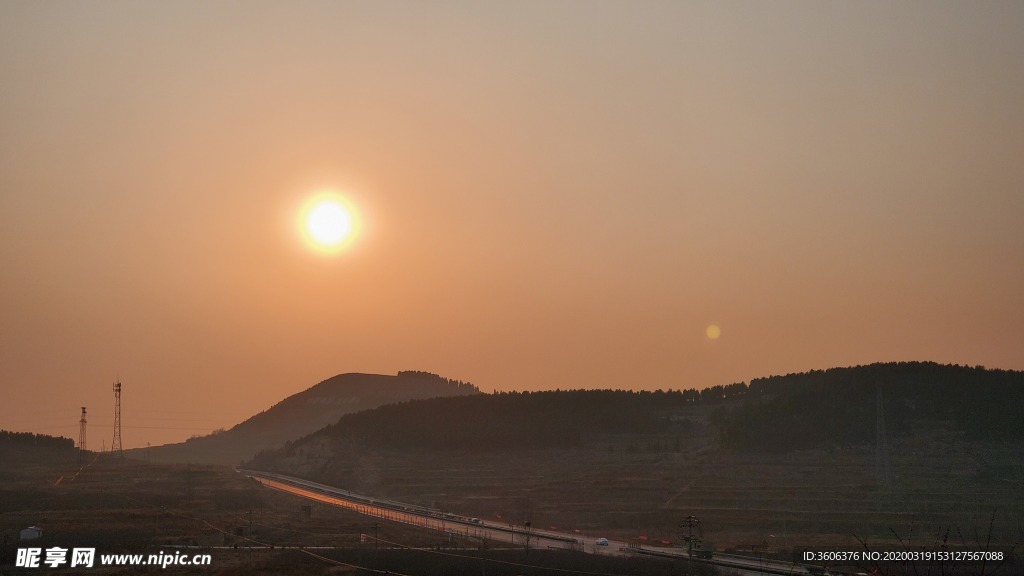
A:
(327, 223)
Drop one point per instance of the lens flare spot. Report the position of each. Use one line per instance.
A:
(713, 332)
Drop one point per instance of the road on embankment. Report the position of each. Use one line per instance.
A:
(464, 527)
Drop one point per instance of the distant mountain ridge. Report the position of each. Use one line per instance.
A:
(306, 412)
(812, 410)
(846, 406)
(8, 438)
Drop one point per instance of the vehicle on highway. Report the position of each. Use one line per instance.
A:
(601, 542)
(474, 520)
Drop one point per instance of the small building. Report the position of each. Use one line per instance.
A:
(31, 533)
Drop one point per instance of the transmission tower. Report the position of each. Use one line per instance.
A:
(81, 437)
(116, 446)
(689, 523)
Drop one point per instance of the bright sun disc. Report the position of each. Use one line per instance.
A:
(327, 223)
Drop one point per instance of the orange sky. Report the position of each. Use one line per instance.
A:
(551, 194)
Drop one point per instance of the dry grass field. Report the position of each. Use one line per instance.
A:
(939, 487)
(941, 490)
(127, 506)
(134, 507)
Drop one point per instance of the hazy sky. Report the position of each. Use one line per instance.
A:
(550, 194)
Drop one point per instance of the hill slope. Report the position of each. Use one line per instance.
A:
(306, 412)
(846, 406)
(791, 455)
(818, 409)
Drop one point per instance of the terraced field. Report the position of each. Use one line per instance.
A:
(936, 487)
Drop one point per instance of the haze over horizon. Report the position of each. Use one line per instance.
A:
(544, 195)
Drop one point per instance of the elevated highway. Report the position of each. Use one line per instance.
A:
(477, 529)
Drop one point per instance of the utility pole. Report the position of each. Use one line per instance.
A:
(248, 539)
